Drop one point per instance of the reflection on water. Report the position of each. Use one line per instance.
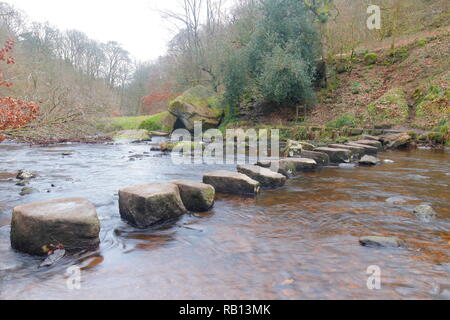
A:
(297, 242)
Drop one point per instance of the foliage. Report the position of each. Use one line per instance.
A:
(370, 58)
(343, 121)
(278, 62)
(14, 113)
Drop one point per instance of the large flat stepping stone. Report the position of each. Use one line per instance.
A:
(196, 196)
(289, 166)
(266, 177)
(145, 205)
(72, 222)
(336, 155)
(232, 182)
(368, 149)
(377, 241)
(321, 158)
(372, 143)
(370, 137)
(356, 151)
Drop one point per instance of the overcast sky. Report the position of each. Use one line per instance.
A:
(136, 24)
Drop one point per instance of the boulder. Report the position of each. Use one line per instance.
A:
(196, 196)
(266, 177)
(71, 222)
(232, 182)
(336, 155)
(424, 212)
(197, 104)
(25, 175)
(321, 158)
(356, 151)
(372, 143)
(294, 148)
(132, 135)
(369, 161)
(376, 241)
(368, 149)
(395, 141)
(145, 205)
(298, 164)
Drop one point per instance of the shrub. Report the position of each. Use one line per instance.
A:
(370, 58)
(343, 121)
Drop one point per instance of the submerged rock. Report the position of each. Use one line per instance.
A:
(377, 241)
(145, 205)
(196, 196)
(26, 190)
(336, 155)
(232, 182)
(395, 200)
(266, 177)
(424, 212)
(71, 222)
(369, 161)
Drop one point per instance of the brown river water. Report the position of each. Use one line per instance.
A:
(297, 242)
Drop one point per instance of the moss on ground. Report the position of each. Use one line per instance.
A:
(389, 110)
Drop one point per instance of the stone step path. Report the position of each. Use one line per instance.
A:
(73, 223)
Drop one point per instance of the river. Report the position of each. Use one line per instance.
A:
(297, 242)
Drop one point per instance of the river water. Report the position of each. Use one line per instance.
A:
(297, 242)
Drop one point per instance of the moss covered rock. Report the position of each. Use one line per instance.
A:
(163, 122)
(197, 104)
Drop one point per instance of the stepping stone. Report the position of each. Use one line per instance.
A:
(145, 205)
(266, 177)
(368, 149)
(376, 241)
(71, 222)
(395, 141)
(321, 158)
(232, 182)
(336, 155)
(196, 196)
(356, 151)
(369, 161)
(372, 143)
(369, 137)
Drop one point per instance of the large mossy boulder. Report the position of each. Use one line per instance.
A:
(163, 122)
(71, 222)
(389, 110)
(197, 104)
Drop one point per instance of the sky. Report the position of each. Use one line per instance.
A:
(136, 24)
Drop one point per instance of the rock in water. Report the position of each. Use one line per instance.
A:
(369, 161)
(424, 212)
(232, 182)
(368, 149)
(372, 143)
(322, 159)
(25, 175)
(376, 241)
(145, 205)
(336, 155)
(266, 177)
(71, 222)
(395, 141)
(196, 196)
(358, 152)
